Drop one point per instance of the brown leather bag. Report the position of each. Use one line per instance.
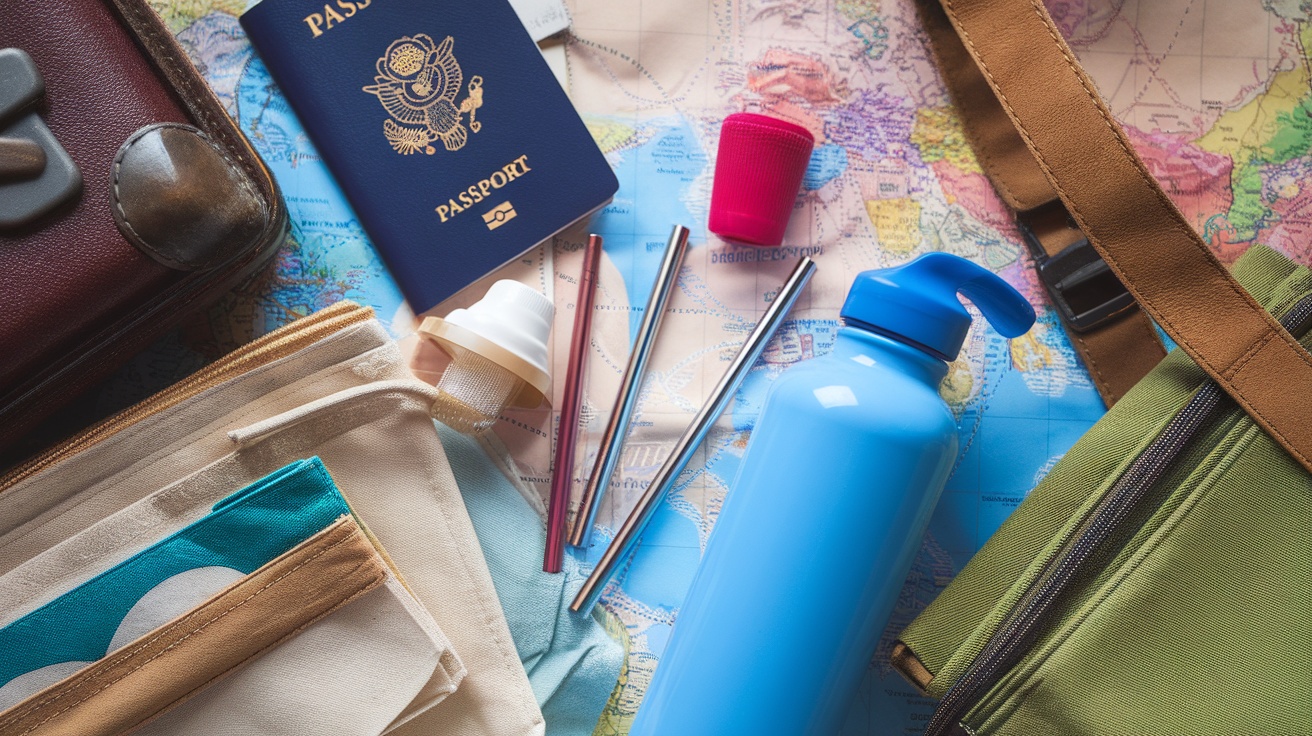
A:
(173, 209)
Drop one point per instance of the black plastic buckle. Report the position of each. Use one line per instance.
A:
(1083, 287)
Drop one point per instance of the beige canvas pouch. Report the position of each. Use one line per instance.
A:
(322, 641)
(344, 394)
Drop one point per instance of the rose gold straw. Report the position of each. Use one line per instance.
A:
(567, 435)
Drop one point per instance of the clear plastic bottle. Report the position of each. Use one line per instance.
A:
(820, 526)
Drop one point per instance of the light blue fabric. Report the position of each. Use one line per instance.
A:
(571, 662)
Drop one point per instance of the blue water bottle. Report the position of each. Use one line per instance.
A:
(821, 524)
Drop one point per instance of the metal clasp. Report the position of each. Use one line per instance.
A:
(1082, 286)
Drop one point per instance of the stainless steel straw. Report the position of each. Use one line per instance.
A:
(613, 438)
(629, 534)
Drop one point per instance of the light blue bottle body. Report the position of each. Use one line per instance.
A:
(810, 552)
(821, 524)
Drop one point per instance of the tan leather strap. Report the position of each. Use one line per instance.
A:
(1118, 205)
(1124, 346)
(1119, 353)
(1001, 151)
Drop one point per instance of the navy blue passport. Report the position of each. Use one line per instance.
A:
(443, 125)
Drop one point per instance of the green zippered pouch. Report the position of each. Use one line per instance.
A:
(1158, 581)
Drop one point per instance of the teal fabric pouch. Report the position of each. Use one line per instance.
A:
(241, 533)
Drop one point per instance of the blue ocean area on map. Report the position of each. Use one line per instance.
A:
(1002, 457)
(636, 235)
(828, 161)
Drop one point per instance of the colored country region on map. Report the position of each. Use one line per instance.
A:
(1291, 203)
(866, 25)
(178, 14)
(1073, 15)
(1198, 181)
(897, 223)
(1272, 129)
(1029, 352)
(974, 193)
(876, 123)
(938, 134)
(1048, 367)
(612, 135)
(788, 74)
(959, 385)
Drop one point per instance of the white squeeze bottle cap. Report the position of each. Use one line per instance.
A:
(499, 346)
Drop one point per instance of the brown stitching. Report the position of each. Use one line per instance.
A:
(163, 51)
(244, 181)
(1157, 192)
(1252, 352)
(109, 664)
(1103, 387)
(971, 126)
(119, 659)
(364, 589)
(1075, 212)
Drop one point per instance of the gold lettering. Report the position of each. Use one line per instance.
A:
(329, 16)
(362, 4)
(347, 6)
(477, 192)
(315, 22)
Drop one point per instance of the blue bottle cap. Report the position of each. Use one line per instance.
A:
(917, 303)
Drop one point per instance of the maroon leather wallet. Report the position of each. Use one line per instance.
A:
(173, 207)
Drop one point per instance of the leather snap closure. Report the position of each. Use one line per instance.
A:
(178, 197)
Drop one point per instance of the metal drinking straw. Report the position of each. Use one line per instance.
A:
(613, 438)
(567, 436)
(629, 534)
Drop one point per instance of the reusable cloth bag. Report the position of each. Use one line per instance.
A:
(339, 648)
(1159, 579)
(331, 385)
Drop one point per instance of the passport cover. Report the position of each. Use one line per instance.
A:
(443, 125)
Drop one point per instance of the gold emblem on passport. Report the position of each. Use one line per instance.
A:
(499, 215)
(417, 83)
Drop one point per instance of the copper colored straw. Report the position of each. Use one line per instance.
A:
(571, 403)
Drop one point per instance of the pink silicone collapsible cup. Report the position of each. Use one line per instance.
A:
(758, 172)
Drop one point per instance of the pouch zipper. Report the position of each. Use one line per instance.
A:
(275, 345)
(1031, 614)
